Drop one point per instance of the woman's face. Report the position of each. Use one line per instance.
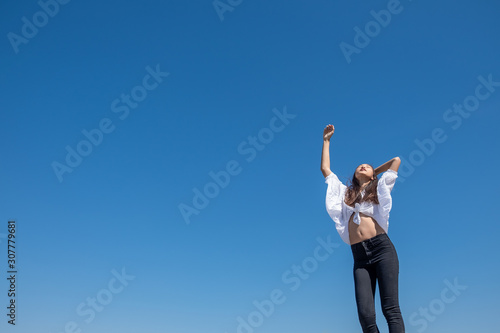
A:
(364, 171)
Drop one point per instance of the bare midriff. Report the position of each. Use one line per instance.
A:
(367, 228)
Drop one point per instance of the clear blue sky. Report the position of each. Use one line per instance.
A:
(116, 208)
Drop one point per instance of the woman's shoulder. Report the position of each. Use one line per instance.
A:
(389, 173)
(331, 176)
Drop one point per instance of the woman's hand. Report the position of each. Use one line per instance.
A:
(328, 132)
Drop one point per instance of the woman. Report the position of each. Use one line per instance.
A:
(361, 215)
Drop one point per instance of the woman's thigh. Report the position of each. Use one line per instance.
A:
(387, 270)
(365, 278)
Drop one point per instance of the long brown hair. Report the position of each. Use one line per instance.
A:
(353, 192)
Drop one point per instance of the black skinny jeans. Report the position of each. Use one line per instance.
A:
(376, 259)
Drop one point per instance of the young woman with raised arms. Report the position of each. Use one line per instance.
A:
(361, 215)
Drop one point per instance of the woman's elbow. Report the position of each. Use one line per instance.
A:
(325, 171)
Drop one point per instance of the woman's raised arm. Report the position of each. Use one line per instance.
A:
(392, 164)
(325, 155)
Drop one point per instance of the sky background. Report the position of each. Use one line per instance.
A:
(229, 75)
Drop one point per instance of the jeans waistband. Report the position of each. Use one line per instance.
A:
(370, 243)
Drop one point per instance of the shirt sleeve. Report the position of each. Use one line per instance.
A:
(384, 188)
(334, 201)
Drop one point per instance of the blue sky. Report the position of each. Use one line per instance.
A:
(114, 114)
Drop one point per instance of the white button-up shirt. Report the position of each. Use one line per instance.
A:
(340, 212)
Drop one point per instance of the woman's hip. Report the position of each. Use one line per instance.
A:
(372, 249)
